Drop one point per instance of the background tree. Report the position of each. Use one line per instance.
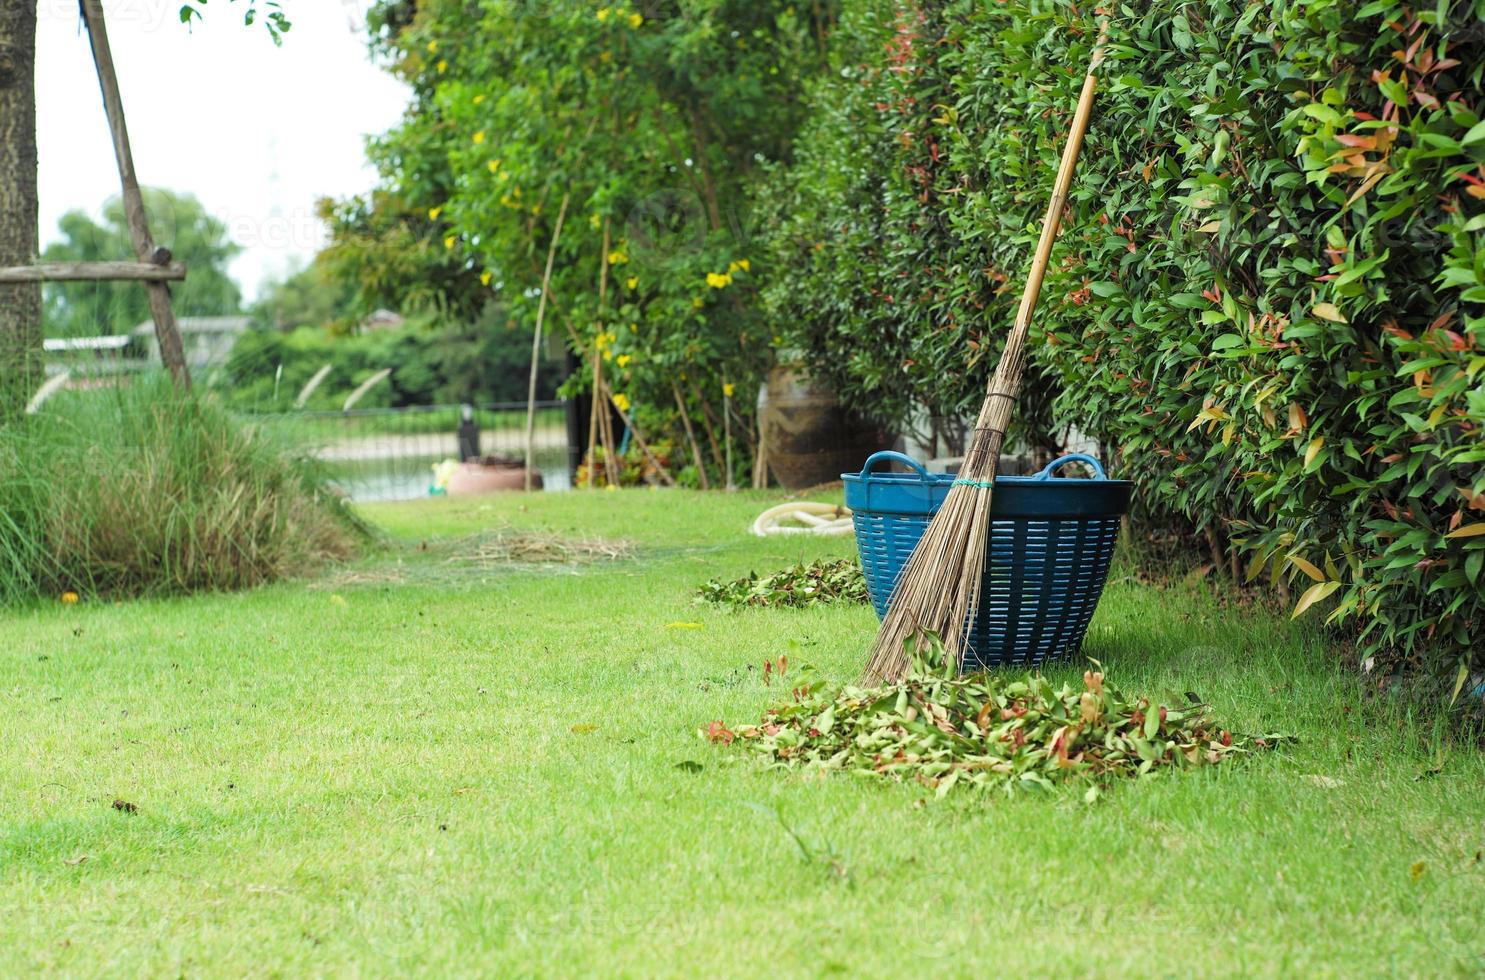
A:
(310, 296)
(653, 123)
(20, 305)
(179, 223)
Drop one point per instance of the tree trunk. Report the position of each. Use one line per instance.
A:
(20, 303)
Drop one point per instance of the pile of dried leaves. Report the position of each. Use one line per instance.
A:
(819, 583)
(946, 730)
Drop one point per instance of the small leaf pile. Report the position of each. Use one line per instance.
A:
(946, 730)
(819, 583)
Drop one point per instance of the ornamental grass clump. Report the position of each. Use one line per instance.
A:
(148, 490)
(943, 729)
(819, 583)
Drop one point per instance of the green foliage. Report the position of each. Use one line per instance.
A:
(432, 363)
(308, 297)
(635, 468)
(179, 223)
(987, 730)
(1268, 293)
(652, 123)
(146, 490)
(897, 282)
(274, 19)
(818, 583)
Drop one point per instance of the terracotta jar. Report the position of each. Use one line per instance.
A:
(810, 438)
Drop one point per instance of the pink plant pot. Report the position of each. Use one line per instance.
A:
(476, 478)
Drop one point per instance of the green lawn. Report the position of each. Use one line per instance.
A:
(426, 767)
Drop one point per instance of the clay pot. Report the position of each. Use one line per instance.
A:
(810, 438)
(474, 478)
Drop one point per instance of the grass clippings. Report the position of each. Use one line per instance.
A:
(507, 546)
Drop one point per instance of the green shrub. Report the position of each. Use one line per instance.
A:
(432, 363)
(896, 289)
(148, 491)
(1269, 294)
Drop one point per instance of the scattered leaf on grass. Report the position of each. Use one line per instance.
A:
(1326, 782)
(819, 583)
(584, 729)
(75, 861)
(124, 806)
(689, 765)
(1416, 869)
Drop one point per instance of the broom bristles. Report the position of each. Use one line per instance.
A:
(939, 587)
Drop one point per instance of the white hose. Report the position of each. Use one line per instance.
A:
(824, 520)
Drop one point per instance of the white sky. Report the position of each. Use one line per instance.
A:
(257, 133)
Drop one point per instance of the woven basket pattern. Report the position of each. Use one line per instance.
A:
(1043, 579)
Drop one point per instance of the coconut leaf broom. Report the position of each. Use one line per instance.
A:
(939, 587)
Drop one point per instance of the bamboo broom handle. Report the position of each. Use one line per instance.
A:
(1008, 373)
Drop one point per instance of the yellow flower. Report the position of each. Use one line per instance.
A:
(698, 302)
(479, 137)
(433, 47)
(603, 13)
(624, 359)
(632, 281)
(718, 280)
(608, 355)
(617, 257)
(622, 400)
(433, 213)
(635, 20)
(536, 209)
(485, 277)
(448, 242)
(478, 99)
(69, 598)
(443, 66)
(494, 165)
(727, 389)
(634, 328)
(740, 264)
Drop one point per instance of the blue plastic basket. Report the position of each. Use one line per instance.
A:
(1051, 541)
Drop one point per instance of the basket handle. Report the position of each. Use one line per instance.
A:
(888, 456)
(1061, 461)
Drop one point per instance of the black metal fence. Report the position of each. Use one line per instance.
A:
(391, 453)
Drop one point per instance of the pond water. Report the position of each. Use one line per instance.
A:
(401, 477)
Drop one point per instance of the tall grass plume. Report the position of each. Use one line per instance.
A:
(147, 490)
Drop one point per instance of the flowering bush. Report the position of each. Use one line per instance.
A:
(641, 132)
